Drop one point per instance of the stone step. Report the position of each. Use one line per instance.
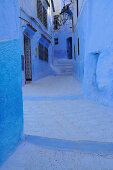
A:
(63, 67)
(63, 62)
(63, 74)
(66, 65)
(63, 70)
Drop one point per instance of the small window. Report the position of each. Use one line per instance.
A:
(78, 47)
(56, 41)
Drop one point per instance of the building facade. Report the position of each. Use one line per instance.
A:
(93, 48)
(36, 32)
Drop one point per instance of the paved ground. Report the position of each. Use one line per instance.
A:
(62, 130)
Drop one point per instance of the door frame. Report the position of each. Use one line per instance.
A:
(69, 41)
(27, 35)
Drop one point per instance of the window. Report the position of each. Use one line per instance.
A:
(39, 10)
(77, 8)
(41, 13)
(56, 23)
(44, 17)
(43, 53)
(78, 47)
(56, 41)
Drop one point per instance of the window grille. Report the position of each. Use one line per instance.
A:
(44, 17)
(41, 13)
(43, 53)
(39, 10)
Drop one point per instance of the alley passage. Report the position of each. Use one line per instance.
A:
(62, 130)
(54, 108)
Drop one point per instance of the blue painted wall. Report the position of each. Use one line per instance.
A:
(11, 108)
(94, 27)
(8, 18)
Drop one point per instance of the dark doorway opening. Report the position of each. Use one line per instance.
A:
(69, 47)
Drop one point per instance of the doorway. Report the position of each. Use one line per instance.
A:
(69, 48)
(27, 53)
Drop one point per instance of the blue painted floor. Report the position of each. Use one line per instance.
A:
(62, 131)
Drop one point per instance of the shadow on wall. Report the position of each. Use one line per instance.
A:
(98, 78)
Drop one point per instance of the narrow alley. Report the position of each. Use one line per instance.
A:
(62, 130)
(56, 85)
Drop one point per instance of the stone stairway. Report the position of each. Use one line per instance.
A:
(63, 67)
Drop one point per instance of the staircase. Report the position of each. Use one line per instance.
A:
(63, 67)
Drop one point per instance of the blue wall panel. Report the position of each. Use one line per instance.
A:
(11, 109)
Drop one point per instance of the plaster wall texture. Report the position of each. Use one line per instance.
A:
(40, 68)
(9, 22)
(96, 46)
(11, 107)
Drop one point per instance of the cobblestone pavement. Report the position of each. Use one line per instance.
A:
(62, 130)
